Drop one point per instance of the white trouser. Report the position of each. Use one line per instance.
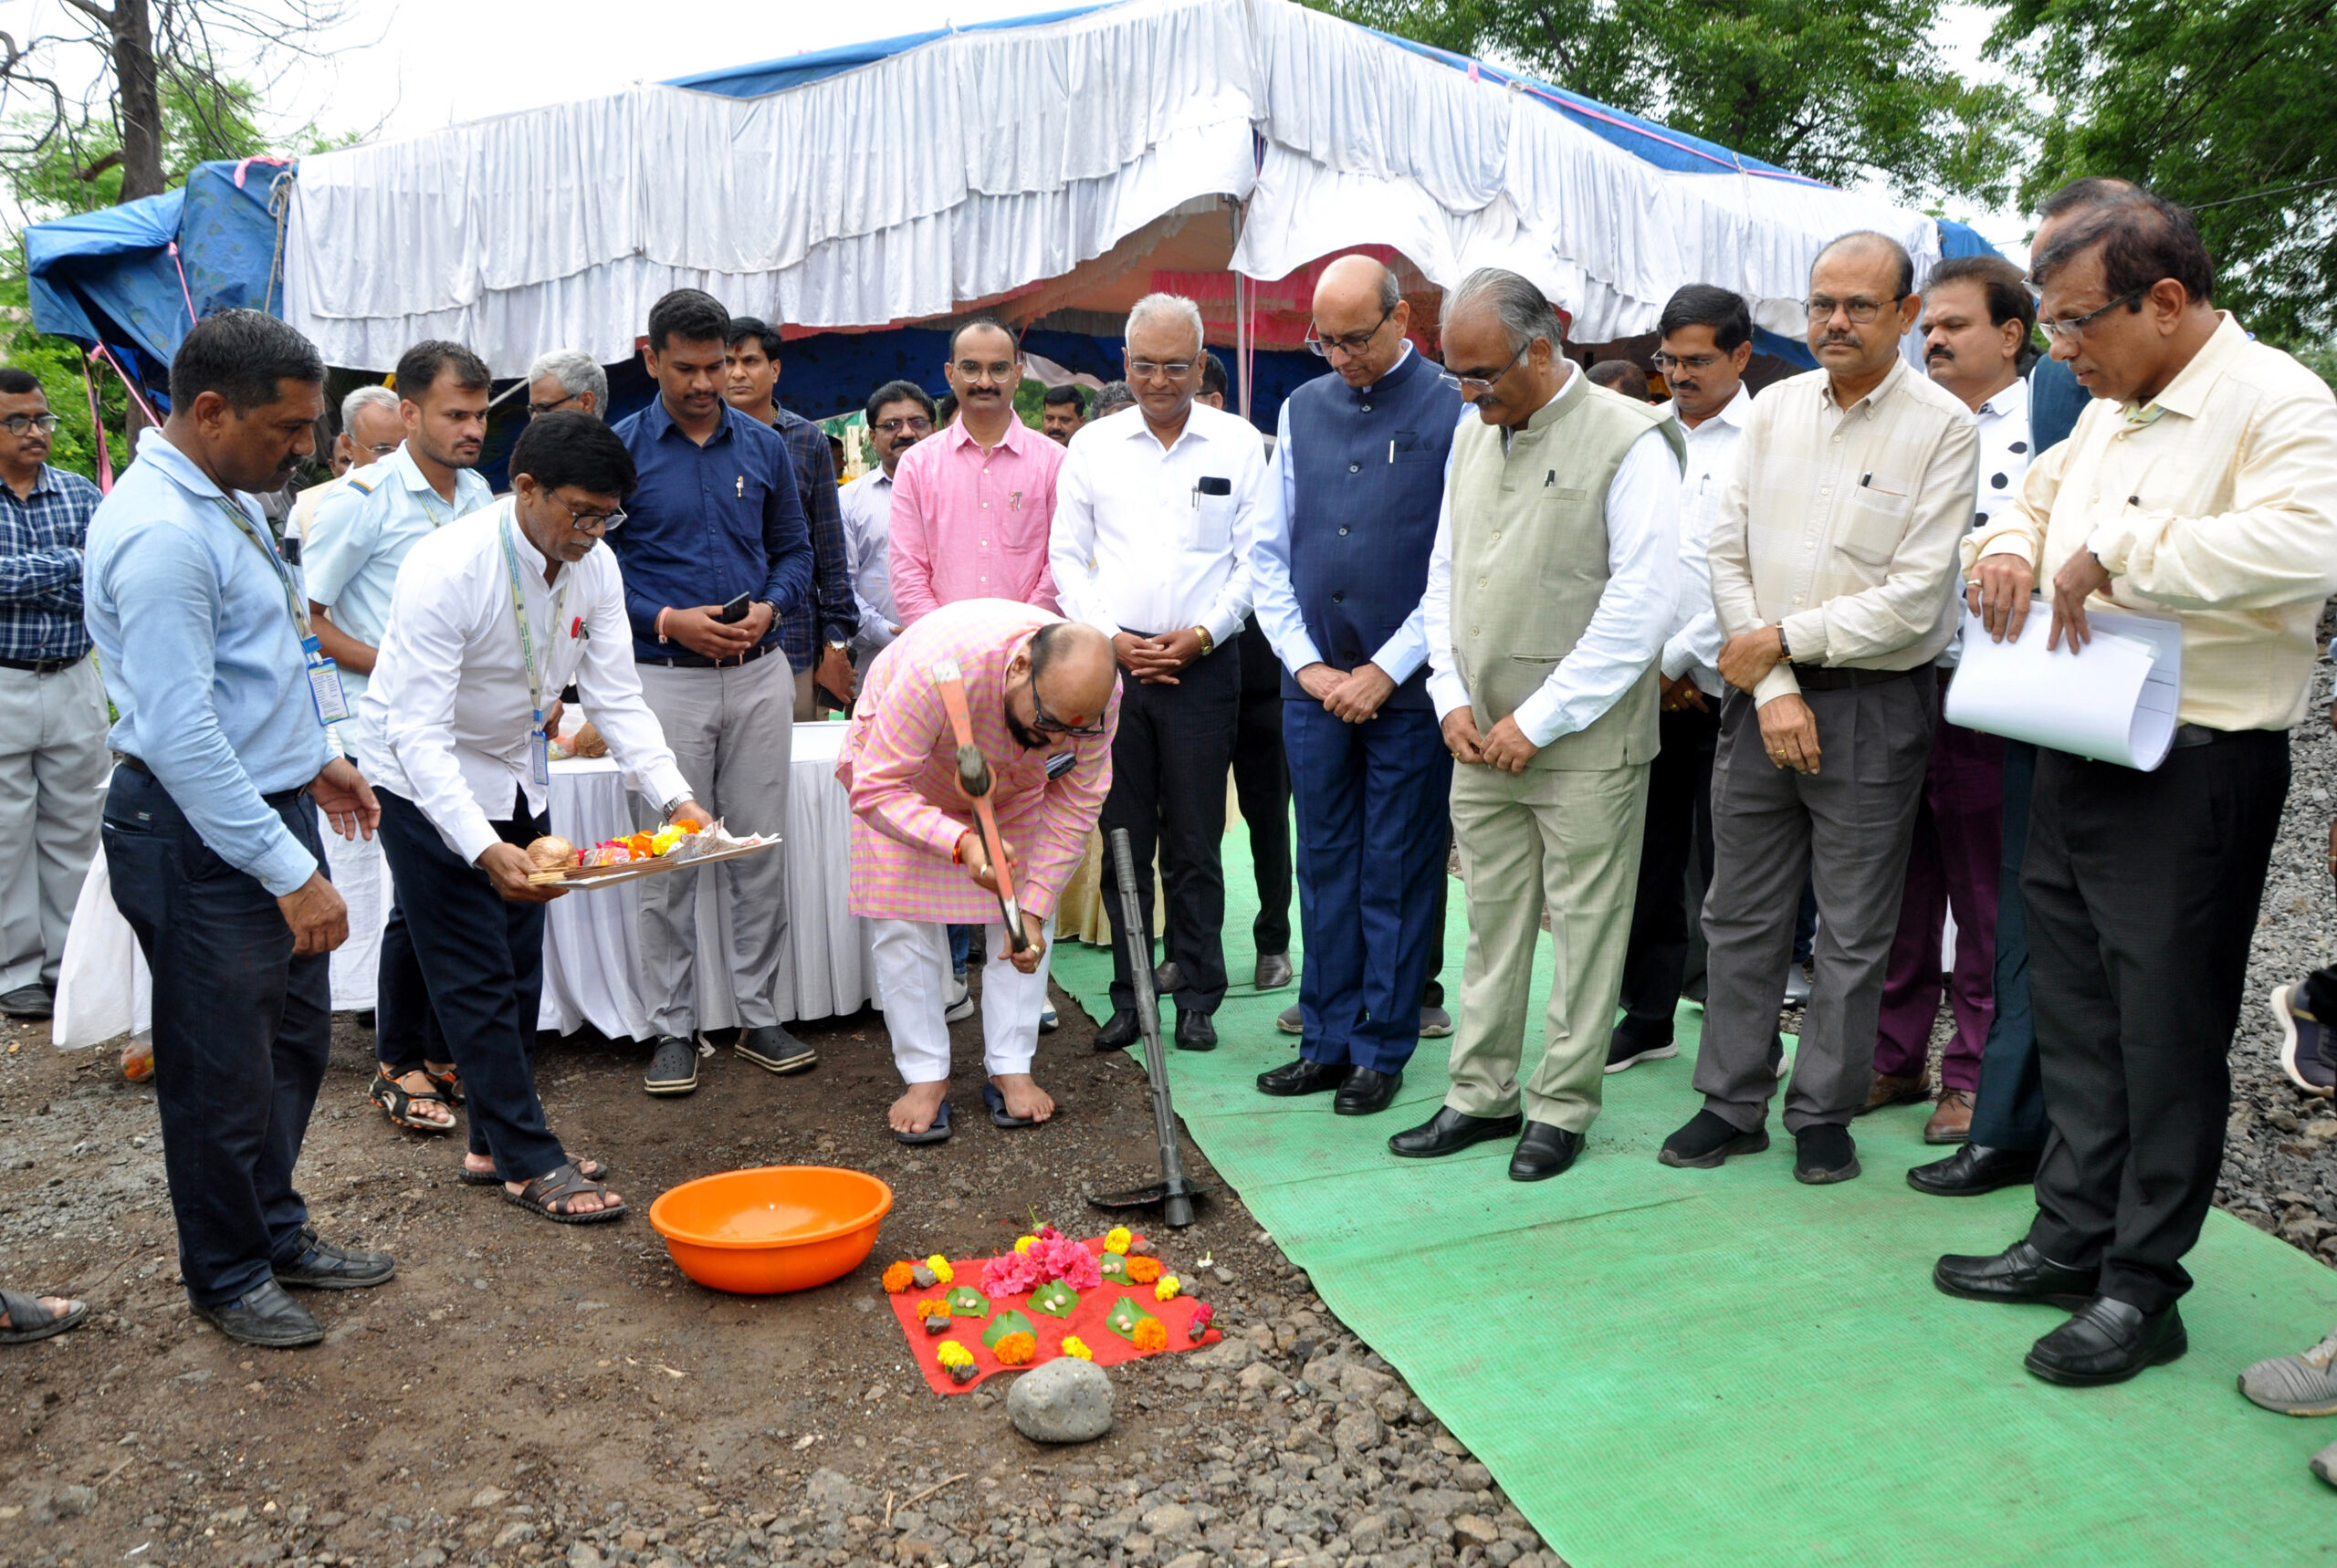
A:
(912, 974)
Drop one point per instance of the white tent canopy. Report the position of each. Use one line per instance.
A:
(979, 167)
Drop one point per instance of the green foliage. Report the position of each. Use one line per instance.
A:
(2320, 357)
(1837, 89)
(2208, 102)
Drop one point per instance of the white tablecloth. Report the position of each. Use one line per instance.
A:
(104, 990)
(589, 975)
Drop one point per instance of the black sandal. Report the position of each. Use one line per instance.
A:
(29, 1320)
(599, 1170)
(547, 1193)
(397, 1102)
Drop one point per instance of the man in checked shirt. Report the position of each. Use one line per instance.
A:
(53, 757)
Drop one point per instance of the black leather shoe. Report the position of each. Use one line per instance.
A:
(2108, 1342)
(265, 1316)
(1544, 1152)
(1824, 1153)
(1303, 1077)
(2018, 1273)
(1973, 1170)
(1367, 1091)
(1274, 972)
(1119, 1031)
(1449, 1132)
(321, 1266)
(1195, 1033)
(1708, 1140)
(1168, 978)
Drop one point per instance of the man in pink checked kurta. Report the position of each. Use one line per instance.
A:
(1044, 697)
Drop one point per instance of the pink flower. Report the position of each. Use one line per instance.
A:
(1011, 1274)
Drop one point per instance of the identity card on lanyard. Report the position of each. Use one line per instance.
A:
(324, 676)
(539, 743)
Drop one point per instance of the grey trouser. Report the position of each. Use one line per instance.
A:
(1568, 842)
(52, 767)
(1848, 825)
(731, 730)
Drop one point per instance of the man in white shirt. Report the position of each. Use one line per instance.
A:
(1704, 341)
(900, 415)
(1550, 588)
(499, 612)
(1155, 511)
(1977, 316)
(371, 430)
(365, 527)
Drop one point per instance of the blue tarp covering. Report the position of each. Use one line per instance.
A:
(777, 76)
(110, 276)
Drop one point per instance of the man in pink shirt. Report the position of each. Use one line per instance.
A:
(972, 505)
(1044, 694)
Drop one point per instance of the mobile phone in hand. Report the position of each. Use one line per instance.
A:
(734, 611)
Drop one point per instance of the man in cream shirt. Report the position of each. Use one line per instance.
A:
(2201, 482)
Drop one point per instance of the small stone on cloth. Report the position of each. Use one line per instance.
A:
(1064, 1401)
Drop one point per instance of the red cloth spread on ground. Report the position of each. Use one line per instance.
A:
(1086, 1323)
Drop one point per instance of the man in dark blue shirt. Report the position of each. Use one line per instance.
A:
(716, 521)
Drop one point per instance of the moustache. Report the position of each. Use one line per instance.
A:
(1942, 352)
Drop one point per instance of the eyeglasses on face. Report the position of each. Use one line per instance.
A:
(1350, 343)
(589, 522)
(1046, 723)
(1859, 307)
(1694, 364)
(2065, 326)
(536, 409)
(916, 424)
(1483, 383)
(21, 423)
(1005, 372)
(380, 448)
(1147, 370)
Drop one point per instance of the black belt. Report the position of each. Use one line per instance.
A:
(2190, 735)
(701, 662)
(1826, 678)
(42, 667)
(279, 797)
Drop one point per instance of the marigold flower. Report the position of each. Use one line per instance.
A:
(1015, 1349)
(1144, 1270)
(933, 1309)
(1151, 1336)
(1116, 1239)
(1074, 1346)
(1167, 1289)
(1024, 1243)
(940, 1267)
(900, 1278)
(949, 1352)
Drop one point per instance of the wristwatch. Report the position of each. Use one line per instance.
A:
(665, 812)
(1208, 644)
(1785, 653)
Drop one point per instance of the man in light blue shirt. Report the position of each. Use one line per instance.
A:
(365, 525)
(211, 830)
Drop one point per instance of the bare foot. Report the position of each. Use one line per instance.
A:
(1024, 1099)
(913, 1112)
(484, 1164)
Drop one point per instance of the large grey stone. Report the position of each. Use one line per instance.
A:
(1065, 1401)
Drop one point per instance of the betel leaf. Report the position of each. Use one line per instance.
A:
(1005, 1324)
(1123, 1317)
(965, 1302)
(1055, 1299)
(1114, 1267)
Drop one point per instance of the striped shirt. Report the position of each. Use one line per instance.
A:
(41, 537)
(1842, 523)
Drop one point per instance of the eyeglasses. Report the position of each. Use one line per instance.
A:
(1047, 723)
(916, 424)
(381, 448)
(1146, 370)
(535, 409)
(1483, 383)
(1353, 343)
(2067, 327)
(1694, 364)
(589, 522)
(20, 423)
(1862, 309)
(999, 370)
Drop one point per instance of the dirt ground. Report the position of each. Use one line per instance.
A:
(521, 1380)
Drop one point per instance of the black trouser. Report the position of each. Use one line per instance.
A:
(242, 1028)
(482, 960)
(1679, 822)
(1170, 757)
(2009, 1112)
(1262, 788)
(406, 1033)
(2141, 892)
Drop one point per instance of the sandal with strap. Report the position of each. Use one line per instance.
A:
(397, 1102)
(29, 1320)
(448, 1084)
(589, 1168)
(548, 1193)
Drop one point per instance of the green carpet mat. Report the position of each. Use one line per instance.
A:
(1676, 1369)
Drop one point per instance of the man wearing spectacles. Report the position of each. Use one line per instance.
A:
(1831, 561)
(718, 517)
(899, 415)
(1154, 517)
(53, 755)
(370, 431)
(1044, 701)
(2201, 484)
(567, 379)
(1340, 564)
(1550, 586)
(500, 611)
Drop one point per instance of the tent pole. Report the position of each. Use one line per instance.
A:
(1241, 323)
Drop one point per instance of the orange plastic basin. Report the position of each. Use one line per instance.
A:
(776, 1228)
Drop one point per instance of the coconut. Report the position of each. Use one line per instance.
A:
(552, 852)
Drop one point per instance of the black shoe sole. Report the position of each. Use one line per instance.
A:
(1974, 1190)
(1197, 1045)
(671, 1087)
(333, 1281)
(1508, 1129)
(2067, 1301)
(288, 1341)
(802, 1061)
(1743, 1144)
(1814, 1175)
(1517, 1175)
(1652, 1053)
(1349, 1108)
(1330, 1088)
(2173, 1350)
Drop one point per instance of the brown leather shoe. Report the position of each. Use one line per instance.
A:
(1951, 1122)
(1890, 1091)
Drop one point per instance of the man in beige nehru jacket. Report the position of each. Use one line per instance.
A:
(1550, 589)
(1832, 564)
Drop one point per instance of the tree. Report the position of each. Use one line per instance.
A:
(2227, 106)
(1841, 90)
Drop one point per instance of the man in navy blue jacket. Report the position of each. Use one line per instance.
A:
(1338, 577)
(716, 519)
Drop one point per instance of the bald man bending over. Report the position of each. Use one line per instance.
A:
(1044, 697)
